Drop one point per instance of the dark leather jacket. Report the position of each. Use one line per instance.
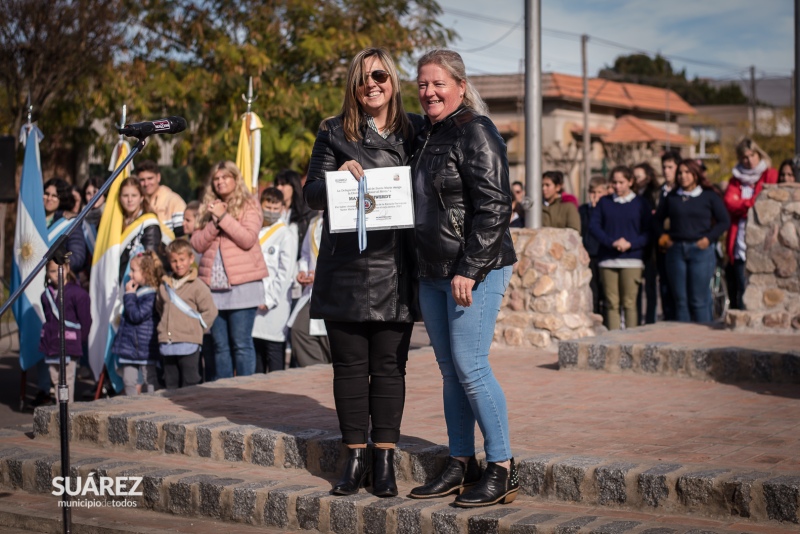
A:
(462, 197)
(350, 286)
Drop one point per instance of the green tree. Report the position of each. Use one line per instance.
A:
(658, 72)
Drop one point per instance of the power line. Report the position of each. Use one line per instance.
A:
(576, 36)
(484, 47)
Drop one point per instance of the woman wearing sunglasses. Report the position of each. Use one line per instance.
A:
(366, 298)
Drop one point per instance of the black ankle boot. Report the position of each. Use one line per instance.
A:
(455, 478)
(497, 485)
(356, 473)
(383, 480)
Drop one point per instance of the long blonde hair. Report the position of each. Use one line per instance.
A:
(239, 198)
(451, 62)
(352, 114)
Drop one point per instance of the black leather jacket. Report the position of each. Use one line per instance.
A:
(462, 197)
(351, 286)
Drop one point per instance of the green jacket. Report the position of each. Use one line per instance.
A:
(561, 215)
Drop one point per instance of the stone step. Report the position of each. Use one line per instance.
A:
(713, 491)
(693, 351)
(295, 500)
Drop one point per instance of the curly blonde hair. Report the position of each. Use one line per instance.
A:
(237, 201)
(151, 266)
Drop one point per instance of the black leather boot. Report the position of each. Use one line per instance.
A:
(497, 485)
(455, 478)
(356, 473)
(383, 480)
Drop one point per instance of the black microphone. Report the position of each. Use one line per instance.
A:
(170, 125)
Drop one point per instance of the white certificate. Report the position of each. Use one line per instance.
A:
(389, 202)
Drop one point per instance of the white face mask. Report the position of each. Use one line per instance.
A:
(271, 217)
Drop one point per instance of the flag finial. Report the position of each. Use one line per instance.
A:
(249, 98)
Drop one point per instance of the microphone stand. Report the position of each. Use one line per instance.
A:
(57, 253)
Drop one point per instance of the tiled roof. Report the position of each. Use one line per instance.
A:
(596, 131)
(629, 96)
(630, 129)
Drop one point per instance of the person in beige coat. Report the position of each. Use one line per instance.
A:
(187, 310)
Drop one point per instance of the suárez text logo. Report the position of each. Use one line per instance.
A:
(100, 487)
(161, 125)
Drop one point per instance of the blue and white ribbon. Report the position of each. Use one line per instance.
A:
(183, 306)
(361, 220)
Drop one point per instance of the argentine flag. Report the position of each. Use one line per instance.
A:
(30, 246)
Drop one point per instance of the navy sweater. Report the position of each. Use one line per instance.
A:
(693, 218)
(590, 243)
(612, 220)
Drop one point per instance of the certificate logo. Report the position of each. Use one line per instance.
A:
(396, 177)
(369, 203)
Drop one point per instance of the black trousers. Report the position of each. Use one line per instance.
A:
(181, 371)
(270, 355)
(736, 278)
(369, 370)
(667, 302)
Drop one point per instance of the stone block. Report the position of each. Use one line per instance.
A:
(543, 286)
(44, 472)
(570, 262)
(676, 360)
(758, 262)
(276, 509)
(615, 527)
(374, 516)
(41, 420)
(245, 496)
(792, 208)
(626, 356)
(773, 297)
(175, 436)
(205, 436)
(653, 484)
(557, 251)
(330, 451)
(147, 431)
(767, 211)
(785, 261)
(790, 367)
(788, 235)
(529, 524)
(563, 303)
(753, 298)
(652, 360)
(543, 304)
(180, 501)
(570, 476)
(737, 493)
(409, 518)
(573, 320)
(118, 431)
(307, 508)
(547, 322)
(427, 463)
(610, 481)
(87, 427)
(597, 356)
(567, 354)
(700, 360)
(782, 495)
(755, 235)
(344, 513)
(488, 522)
(513, 336)
(449, 520)
(295, 447)
(538, 338)
(263, 443)
(153, 482)
(699, 487)
(574, 526)
(76, 464)
(777, 320)
(210, 495)
(533, 474)
(233, 442)
(545, 267)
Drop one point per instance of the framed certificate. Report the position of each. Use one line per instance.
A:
(389, 202)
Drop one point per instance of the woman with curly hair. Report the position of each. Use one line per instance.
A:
(232, 266)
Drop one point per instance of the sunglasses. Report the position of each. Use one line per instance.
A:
(379, 76)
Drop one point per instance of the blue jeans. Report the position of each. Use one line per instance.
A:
(690, 270)
(461, 338)
(232, 332)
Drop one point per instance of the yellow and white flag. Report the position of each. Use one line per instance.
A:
(248, 154)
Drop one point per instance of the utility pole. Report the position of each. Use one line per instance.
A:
(752, 99)
(533, 112)
(587, 138)
(666, 119)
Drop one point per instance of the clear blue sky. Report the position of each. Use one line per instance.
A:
(710, 38)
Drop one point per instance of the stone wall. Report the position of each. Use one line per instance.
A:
(548, 297)
(772, 298)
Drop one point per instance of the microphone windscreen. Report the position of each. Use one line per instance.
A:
(178, 124)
